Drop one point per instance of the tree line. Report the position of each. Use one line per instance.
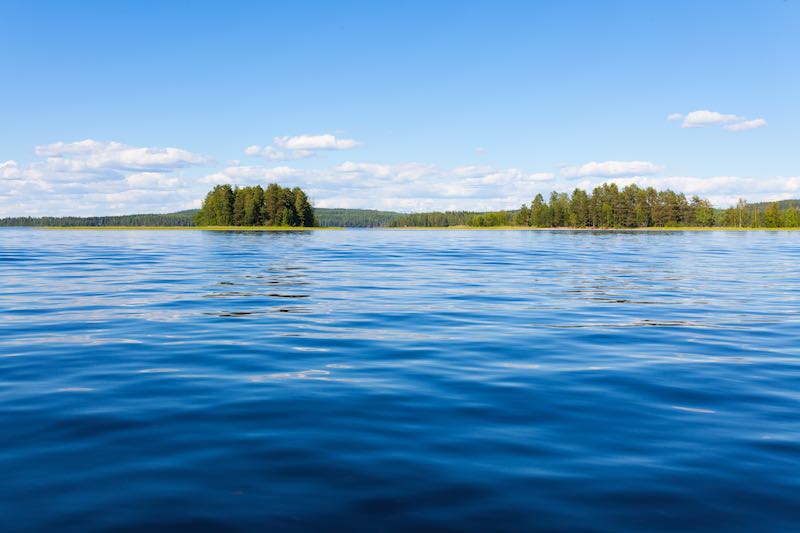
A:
(179, 219)
(349, 218)
(354, 218)
(253, 206)
(433, 219)
(784, 214)
(608, 206)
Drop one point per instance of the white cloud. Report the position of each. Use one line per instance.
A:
(95, 177)
(9, 169)
(403, 186)
(419, 187)
(746, 125)
(253, 150)
(300, 147)
(705, 117)
(91, 154)
(272, 154)
(609, 169)
(79, 147)
(315, 142)
(151, 180)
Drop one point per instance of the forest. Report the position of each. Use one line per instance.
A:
(354, 218)
(434, 219)
(610, 207)
(345, 218)
(254, 206)
(179, 219)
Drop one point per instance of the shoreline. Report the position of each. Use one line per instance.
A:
(183, 228)
(528, 228)
(408, 228)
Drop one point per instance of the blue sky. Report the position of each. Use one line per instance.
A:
(111, 107)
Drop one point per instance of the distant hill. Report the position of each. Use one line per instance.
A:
(180, 219)
(349, 218)
(782, 204)
(354, 218)
(434, 219)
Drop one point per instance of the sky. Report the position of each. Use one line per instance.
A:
(132, 107)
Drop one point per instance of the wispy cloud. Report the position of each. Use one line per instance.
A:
(90, 154)
(290, 148)
(9, 169)
(704, 117)
(272, 154)
(746, 125)
(315, 142)
(610, 169)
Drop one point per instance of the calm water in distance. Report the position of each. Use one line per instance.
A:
(399, 380)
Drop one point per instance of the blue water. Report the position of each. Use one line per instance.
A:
(399, 380)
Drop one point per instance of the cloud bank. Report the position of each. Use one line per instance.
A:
(419, 186)
(96, 177)
(92, 177)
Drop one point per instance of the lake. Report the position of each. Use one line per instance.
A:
(377, 380)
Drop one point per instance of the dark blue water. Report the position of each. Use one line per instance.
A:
(388, 380)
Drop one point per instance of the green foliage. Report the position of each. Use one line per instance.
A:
(522, 217)
(783, 205)
(781, 214)
(610, 207)
(435, 219)
(254, 206)
(485, 220)
(217, 208)
(606, 207)
(354, 218)
(772, 216)
(179, 219)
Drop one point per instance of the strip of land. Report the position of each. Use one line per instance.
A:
(404, 228)
(605, 209)
(185, 228)
(529, 228)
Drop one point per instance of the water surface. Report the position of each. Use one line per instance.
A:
(399, 380)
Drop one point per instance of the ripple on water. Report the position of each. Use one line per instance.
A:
(399, 380)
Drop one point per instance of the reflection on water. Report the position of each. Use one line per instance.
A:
(380, 380)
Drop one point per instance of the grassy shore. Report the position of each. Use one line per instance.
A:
(408, 228)
(528, 228)
(184, 228)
